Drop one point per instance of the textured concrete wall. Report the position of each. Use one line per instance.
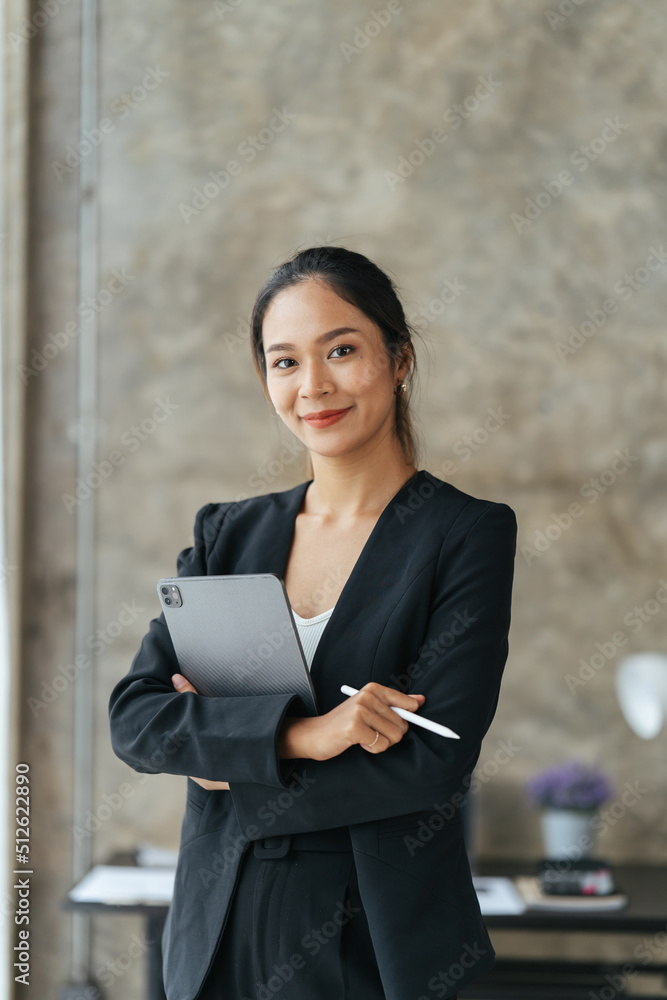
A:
(507, 166)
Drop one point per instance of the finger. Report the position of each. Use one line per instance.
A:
(396, 723)
(390, 696)
(408, 701)
(388, 724)
(375, 748)
(182, 684)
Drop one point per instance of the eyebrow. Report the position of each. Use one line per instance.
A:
(322, 339)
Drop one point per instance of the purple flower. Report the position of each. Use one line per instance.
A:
(572, 785)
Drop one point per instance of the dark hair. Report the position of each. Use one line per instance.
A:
(359, 281)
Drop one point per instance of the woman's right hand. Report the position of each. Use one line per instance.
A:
(355, 720)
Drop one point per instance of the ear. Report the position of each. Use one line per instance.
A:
(404, 361)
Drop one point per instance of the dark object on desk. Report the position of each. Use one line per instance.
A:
(585, 877)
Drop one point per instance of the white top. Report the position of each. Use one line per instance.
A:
(310, 631)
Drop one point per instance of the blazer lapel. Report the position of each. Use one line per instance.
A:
(346, 649)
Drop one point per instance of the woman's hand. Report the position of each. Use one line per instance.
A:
(355, 720)
(181, 685)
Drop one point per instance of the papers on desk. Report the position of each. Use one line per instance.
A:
(116, 884)
(497, 895)
(136, 885)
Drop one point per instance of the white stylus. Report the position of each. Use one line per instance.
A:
(418, 720)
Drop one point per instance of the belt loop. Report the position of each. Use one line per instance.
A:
(273, 847)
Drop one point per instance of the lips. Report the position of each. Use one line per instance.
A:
(326, 417)
(320, 414)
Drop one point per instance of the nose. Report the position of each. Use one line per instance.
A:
(314, 379)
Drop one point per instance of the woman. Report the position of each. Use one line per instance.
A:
(324, 857)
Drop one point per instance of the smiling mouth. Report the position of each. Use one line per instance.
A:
(326, 417)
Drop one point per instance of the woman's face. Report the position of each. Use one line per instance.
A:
(323, 354)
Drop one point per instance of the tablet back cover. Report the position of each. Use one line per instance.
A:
(235, 635)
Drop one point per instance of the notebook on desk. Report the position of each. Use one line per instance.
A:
(534, 898)
(235, 635)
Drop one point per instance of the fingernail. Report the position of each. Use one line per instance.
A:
(177, 680)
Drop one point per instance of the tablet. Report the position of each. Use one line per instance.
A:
(235, 635)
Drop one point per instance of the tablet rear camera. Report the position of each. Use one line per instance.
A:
(171, 596)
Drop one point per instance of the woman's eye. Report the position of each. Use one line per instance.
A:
(341, 347)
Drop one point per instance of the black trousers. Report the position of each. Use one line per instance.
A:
(296, 929)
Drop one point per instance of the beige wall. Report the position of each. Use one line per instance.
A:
(177, 332)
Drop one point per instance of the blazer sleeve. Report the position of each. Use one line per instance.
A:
(461, 681)
(157, 730)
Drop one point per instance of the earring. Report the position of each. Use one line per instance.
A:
(400, 388)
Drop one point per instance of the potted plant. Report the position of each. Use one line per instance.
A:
(568, 795)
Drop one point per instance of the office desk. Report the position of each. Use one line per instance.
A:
(154, 916)
(540, 979)
(510, 979)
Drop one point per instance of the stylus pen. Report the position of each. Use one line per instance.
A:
(418, 720)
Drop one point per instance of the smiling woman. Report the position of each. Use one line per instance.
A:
(293, 870)
(334, 316)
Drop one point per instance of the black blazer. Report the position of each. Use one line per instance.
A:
(426, 608)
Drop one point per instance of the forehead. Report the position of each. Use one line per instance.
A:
(310, 304)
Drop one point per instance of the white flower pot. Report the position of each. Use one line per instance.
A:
(567, 833)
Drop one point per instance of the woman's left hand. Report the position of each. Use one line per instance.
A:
(182, 685)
